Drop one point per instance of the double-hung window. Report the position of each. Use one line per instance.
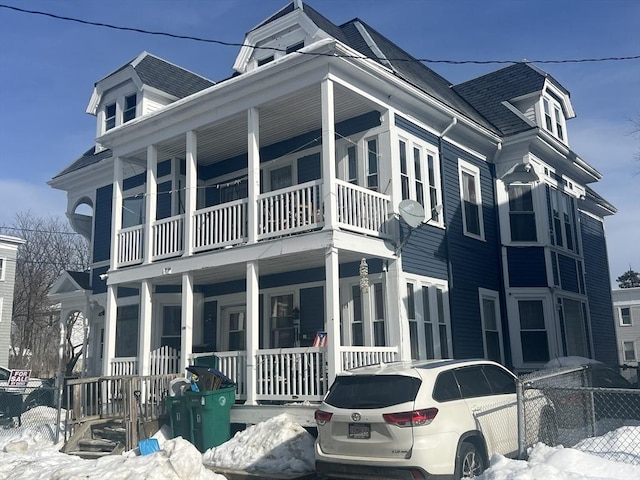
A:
(110, 116)
(563, 221)
(372, 163)
(533, 332)
(419, 175)
(129, 112)
(553, 117)
(522, 216)
(629, 351)
(491, 325)
(471, 199)
(625, 316)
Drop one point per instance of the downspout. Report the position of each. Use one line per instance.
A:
(453, 123)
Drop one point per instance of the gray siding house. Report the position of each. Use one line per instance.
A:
(8, 254)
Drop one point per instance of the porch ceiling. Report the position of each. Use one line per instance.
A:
(286, 117)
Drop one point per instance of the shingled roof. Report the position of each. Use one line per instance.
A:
(89, 157)
(169, 78)
(488, 92)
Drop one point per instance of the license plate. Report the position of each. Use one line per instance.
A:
(359, 430)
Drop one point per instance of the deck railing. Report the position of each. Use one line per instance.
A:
(353, 357)
(168, 237)
(290, 210)
(164, 360)
(130, 250)
(220, 226)
(121, 366)
(282, 212)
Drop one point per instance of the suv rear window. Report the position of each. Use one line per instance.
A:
(372, 391)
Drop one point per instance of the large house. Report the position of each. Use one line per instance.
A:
(626, 311)
(333, 203)
(8, 255)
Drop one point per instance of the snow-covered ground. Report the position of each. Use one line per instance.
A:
(282, 446)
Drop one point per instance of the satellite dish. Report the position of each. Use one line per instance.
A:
(411, 212)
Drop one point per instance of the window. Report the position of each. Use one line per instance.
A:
(295, 47)
(352, 164)
(625, 316)
(628, 351)
(372, 163)
(443, 326)
(522, 217)
(110, 116)
(129, 112)
(132, 211)
(553, 117)
(3, 267)
(562, 208)
(419, 175)
(471, 199)
(428, 324)
(379, 334)
(533, 333)
(281, 177)
(446, 387)
(284, 324)
(413, 324)
(171, 326)
(127, 331)
(357, 335)
(573, 319)
(236, 322)
(472, 382)
(491, 325)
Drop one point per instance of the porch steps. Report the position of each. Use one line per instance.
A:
(97, 439)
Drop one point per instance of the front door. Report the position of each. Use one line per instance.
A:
(171, 326)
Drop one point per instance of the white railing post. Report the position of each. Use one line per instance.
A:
(150, 202)
(186, 334)
(332, 307)
(329, 197)
(190, 193)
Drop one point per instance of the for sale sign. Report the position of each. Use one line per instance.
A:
(19, 378)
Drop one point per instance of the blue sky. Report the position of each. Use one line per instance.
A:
(48, 68)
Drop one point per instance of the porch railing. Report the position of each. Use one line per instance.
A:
(164, 360)
(290, 210)
(362, 210)
(220, 226)
(168, 237)
(232, 364)
(353, 357)
(121, 366)
(130, 245)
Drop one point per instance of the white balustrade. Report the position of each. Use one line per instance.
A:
(130, 245)
(164, 360)
(362, 210)
(220, 225)
(168, 237)
(353, 357)
(122, 366)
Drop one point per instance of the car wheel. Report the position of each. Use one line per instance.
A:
(548, 430)
(470, 462)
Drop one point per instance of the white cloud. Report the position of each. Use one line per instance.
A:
(18, 196)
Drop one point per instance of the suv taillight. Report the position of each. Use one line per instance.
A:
(414, 418)
(322, 417)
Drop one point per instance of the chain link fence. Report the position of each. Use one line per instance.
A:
(586, 407)
(24, 407)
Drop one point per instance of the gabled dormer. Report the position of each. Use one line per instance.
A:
(288, 30)
(138, 88)
(553, 109)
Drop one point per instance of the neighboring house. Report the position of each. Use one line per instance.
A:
(8, 255)
(243, 218)
(626, 311)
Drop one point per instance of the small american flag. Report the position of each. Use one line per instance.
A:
(320, 340)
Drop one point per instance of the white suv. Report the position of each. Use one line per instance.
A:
(419, 420)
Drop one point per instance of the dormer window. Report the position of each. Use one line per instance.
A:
(553, 117)
(129, 112)
(110, 116)
(295, 47)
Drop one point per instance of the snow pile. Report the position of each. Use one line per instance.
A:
(621, 445)
(277, 445)
(178, 460)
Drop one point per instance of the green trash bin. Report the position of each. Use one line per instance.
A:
(210, 361)
(178, 408)
(210, 416)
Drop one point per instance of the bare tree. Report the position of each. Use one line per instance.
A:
(51, 247)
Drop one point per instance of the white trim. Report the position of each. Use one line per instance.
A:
(474, 172)
(483, 294)
(3, 268)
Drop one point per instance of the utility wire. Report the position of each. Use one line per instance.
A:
(275, 49)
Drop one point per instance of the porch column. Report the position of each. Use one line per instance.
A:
(329, 187)
(186, 333)
(253, 331)
(110, 315)
(398, 329)
(144, 335)
(253, 149)
(150, 201)
(116, 211)
(332, 307)
(191, 192)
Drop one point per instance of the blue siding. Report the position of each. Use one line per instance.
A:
(102, 224)
(598, 285)
(412, 128)
(526, 267)
(164, 168)
(473, 263)
(163, 204)
(568, 273)
(311, 314)
(426, 252)
(97, 284)
(135, 181)
(304, 141)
